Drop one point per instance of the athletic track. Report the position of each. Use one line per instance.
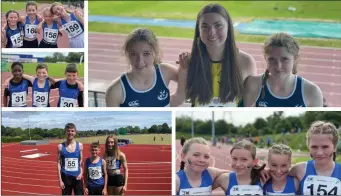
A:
(106, 62)
(149, 168)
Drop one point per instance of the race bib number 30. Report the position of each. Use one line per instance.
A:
(17, 40)
(19, 99)
(68, 102)
(246, 190)
(72, 28)
(30, 31)
(50, 35)
(71, 164)
(95, 173)
(40, 99)
(196, 191)
(321, 185)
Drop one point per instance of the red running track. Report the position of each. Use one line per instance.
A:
(106, 62)
(149, 170)
(54, 94)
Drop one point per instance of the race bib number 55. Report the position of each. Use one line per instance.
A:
(71, 164)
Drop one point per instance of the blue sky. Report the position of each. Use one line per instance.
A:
(237, 117)
(85, 120)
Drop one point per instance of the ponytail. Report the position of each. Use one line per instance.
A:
(255, 174)
(264, 78)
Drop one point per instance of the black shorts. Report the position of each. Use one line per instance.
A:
(71, 183)
(95, 190)
(116, 180)
(30, 44)
(44, 44)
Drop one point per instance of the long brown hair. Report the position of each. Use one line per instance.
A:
(256, 169)
(115, 151)
(199, 80)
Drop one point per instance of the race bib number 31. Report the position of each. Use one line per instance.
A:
(196, 191)
(95, 173)
(40, 99)
(72, 28)
(71, 164)
(246, 190)
(19, 99)
(68, 102)
(321, 185)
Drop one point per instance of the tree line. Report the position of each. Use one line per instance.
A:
(72, 57)
(17, 134)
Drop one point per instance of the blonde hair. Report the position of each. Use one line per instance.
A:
(280, 40)
(195, 140)
(255, 171)
(280, 149)
(143, 34)
(58, 4)
(323, 128)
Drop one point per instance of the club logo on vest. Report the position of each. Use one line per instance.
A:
(163, 95)
(134, 103)
(263, 104)
(299, 106)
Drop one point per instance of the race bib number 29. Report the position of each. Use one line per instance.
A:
(321, 185)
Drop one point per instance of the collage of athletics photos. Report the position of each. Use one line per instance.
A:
(116, 97)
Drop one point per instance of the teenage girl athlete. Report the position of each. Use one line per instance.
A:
(279, 160)
(17, 88)
(197, 177)
(69, 164)
(95, 173)
(245, 180)
(72, 23)
(280, 86)
(216, 68)
(146, 83)
(13, 32)
(50, 29)
(117, 183)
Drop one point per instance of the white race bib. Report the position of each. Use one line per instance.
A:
(215, 102)
(30, 31)
(111, 161)
(321, 185)
(196, 191)
(73, 28)
(68, 102)
(50, 35)
(71, 164)
(271, 193)
(17, 40)
(95, 173)
(41, 99)
(19, 99)
(246, 190)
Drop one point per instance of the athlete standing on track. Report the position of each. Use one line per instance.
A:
(279, 86)
(117, 183)
(216, 68)
(69, 163)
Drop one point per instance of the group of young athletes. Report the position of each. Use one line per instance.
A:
(22, 31)
(17, 87)
(215, 73)
(98, 175)
(319, 176)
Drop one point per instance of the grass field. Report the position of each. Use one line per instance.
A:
(303, 159)
(238, 10)
(6, 6)
(189, 33)
(55, 69)
(137, 139)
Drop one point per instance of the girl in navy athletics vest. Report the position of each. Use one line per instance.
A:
(12, 35)
(72, 23)
(70, 170)
(95, 173)
(50, 29)
(279, 160)
(117, 183)
(197, 177)
(31, 22)
(245, 180)
(17, 89)
(280, 86)
(146, 83)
